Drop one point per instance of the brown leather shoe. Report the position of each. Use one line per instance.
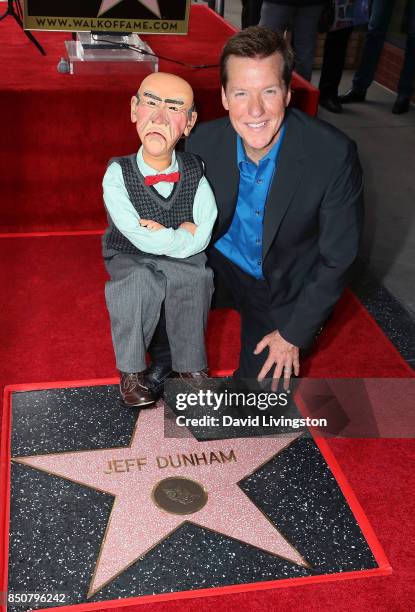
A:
(133, 390)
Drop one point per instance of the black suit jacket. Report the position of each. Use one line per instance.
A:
(312, 221)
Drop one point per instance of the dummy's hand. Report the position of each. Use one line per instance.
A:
(282, 354)
(189, 226)
(151, 225)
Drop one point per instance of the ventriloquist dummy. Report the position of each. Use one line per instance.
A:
(161, 212)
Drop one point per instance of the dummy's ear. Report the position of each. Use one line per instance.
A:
(190, 124)
(224, 100)
(134, 102)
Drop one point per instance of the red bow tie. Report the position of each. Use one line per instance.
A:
(174, 177)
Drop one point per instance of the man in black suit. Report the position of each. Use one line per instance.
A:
(288, 189)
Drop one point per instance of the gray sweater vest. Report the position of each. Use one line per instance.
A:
(149, 204)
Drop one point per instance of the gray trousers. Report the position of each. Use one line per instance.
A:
(139, 284)
(304, 21)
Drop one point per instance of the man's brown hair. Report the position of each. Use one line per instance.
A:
(259, 42)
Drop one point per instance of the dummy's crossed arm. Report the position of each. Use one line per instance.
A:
(181, 242)
(154, 226)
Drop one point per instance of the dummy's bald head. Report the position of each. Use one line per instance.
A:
(168, 88)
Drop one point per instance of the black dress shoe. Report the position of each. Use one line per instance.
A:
(156, 376)
(401, 105)
(331, 104)
(134, 391)
(200, 375)
(192, 379)
(353, 95)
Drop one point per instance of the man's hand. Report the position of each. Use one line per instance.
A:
(151, 225)
(189, 226)
(284, 355)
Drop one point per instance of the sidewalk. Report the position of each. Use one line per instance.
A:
(386, 145)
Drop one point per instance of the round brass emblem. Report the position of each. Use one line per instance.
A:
(179, 495)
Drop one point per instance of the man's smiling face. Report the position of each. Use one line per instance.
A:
(256, 97)
(162, 112)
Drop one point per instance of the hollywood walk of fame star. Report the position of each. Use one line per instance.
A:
(157, 489)
(151, 5)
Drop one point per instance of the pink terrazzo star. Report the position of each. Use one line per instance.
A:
(152, 6)
(137, 522)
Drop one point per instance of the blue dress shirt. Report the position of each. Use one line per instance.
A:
(242, 243)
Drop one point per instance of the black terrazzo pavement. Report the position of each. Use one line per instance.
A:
(394, 320)
(57, 526)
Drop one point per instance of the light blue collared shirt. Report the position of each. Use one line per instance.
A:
(167, 241)
(242, 243)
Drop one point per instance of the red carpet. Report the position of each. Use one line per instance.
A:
(53, 299)
(55, 327)
(59, 133)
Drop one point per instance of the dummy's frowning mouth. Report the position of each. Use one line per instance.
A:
(155, 133)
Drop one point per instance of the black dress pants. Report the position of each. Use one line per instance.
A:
(251, 298)
(334, 58)
(251, 13)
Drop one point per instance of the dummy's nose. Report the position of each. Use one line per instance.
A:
(161, 115)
